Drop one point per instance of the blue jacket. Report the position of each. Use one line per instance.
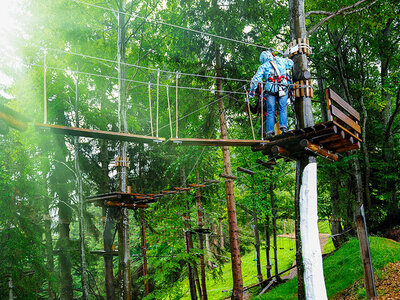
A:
(265, 71)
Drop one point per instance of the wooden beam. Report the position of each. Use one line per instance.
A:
(125, 205)
(280, 151)
(214, 142)
(193, 185)
(317, 150)
(226, 176)
(247, 171)
(13, 122)
(99, 134)
(345, 119)
(337, 125)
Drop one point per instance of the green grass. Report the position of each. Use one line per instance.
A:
(343, 268)
(215, 286)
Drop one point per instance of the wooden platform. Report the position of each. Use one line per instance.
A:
(99, 134)
(214, 142)
(122, 200)
(324, 139)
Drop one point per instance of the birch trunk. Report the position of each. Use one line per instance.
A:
(312, 256)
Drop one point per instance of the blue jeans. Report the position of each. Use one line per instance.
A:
(271, 112)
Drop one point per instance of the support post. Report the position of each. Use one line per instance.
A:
(306, 176)
(271, 193)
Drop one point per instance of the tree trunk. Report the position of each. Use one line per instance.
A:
(64, 219)
(201, 242)
(336, 226)
(237, 292)
(49, 247)
(123, 224)
(144, 252)
(257, 242)
(306, 191)
(221, 234)
(79, 188)
(271, 193)
(267, 247)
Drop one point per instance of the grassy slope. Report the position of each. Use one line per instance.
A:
(344, 267)
(249, 270)
(286, 256)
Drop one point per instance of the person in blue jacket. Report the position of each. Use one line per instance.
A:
(276, 85)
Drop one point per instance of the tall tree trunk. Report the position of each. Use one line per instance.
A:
(79, 188)
(123, 224)
(257, 242)
(64, 215)
(230, 196)
(336, 226)
(221, 234)
(49, 246)
(267, 247)
(144, 252)
(306, 176)
(271, 193)
(201, 241)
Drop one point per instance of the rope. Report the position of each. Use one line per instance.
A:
(135, 81)
(262, 110)
(172, 25)
(169, 112)
(151, 116)
(158, 91)
(176, 104)
(44, 89)
(142, 67)
(248, 109)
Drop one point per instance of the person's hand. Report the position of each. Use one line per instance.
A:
(251, 94)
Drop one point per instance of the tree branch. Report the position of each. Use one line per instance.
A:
(343, 11)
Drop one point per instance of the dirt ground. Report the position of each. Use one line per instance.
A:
(387, 288)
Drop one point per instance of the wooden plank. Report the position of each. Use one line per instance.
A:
(214, 142)
(348, 148)
(343, 104)
(99, 134)
(317, 150)
(346, 130)
(247, 171)
(345, 119)
(13, 122)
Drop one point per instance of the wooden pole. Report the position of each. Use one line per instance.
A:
(203, 294)
(44, 88)
(369, 279)
(305, 176)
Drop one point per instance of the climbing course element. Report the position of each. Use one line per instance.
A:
(340, 134)
(214, 142)
(99, 134)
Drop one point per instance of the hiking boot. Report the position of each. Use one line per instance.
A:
(284, 129)
(268, 135)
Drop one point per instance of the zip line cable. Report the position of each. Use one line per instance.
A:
(141, 67)
(135, 81)
(148, 20)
